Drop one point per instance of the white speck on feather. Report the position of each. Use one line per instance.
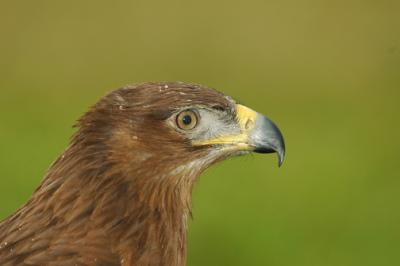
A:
(166, 86)
(120, 98)
(121, 107)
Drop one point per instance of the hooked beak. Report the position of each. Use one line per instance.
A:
(267, 138)
(257, 133)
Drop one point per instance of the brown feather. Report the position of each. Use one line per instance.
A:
(120, 194)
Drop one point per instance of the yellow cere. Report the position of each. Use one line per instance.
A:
(246, 117)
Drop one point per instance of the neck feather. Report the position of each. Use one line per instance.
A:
(143, 213)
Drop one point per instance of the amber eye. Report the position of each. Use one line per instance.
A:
(186, 120)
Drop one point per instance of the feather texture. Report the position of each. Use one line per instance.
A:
(120, 194)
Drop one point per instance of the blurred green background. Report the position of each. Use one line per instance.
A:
(328, 72)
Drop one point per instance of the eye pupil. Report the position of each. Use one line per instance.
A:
(187, 120)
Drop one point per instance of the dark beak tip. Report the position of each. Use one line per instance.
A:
(281, 153)
(281, 156)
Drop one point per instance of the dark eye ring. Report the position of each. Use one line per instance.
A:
(187, 119)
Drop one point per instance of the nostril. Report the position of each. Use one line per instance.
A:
(249, 124)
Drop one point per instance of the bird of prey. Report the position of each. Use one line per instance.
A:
(120, 193)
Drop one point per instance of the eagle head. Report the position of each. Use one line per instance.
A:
(120, 194)
(176, 127)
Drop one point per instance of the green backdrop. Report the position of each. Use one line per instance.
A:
(328, 72)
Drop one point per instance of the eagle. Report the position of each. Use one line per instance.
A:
(120, 193)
